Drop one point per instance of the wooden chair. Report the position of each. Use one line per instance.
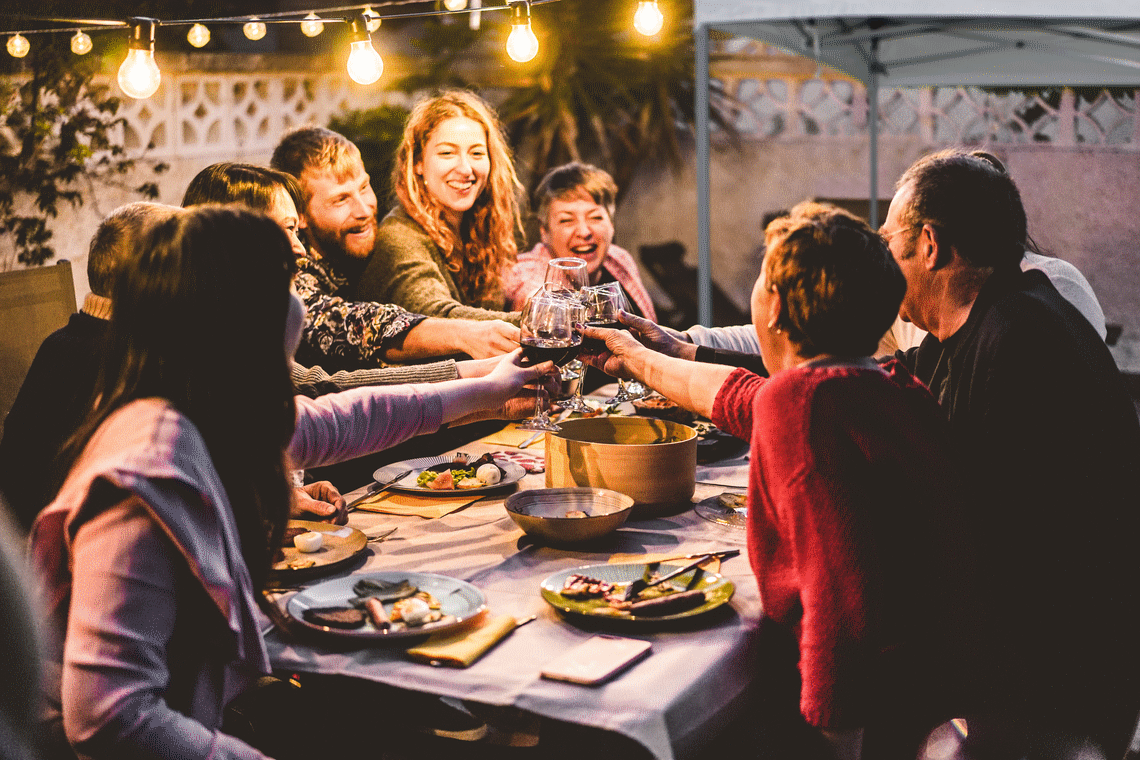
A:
(33, 304)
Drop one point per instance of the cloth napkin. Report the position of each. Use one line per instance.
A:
(512, 436)
(418, 506)
(464, 647)
(712, 566)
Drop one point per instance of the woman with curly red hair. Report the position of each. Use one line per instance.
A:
(440, 251)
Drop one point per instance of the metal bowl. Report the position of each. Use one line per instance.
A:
(653, 461)
(542, 513)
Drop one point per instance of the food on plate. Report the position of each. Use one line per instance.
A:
(443, 481)
(386, 592)
(335, 617)
(309, 541)
(461, 475)
(377, 614)
(667, 604)
(584, 587)
(414, 611)
(733, 500)
(576, 513)
(489, 473)
(656, 601)
(290, 532)
(301, 563)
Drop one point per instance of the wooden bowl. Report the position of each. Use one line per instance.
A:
(652, 461)
(543, 513)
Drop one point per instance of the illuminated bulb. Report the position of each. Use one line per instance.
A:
(373, 20)
(80, 44)
(364, 63)
(198, 36)
(648, 18)
(455, 5)
(254, 29)
(522, 45)
(139, 76)
(18, 45)
(312, 25)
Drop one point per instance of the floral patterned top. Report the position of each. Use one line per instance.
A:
(344, 334)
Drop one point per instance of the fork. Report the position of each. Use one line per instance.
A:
(375, 489)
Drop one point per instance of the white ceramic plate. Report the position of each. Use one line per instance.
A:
(459, 602)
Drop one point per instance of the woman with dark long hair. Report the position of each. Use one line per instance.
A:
(160, 539)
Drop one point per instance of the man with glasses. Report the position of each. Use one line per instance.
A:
(1050, 443)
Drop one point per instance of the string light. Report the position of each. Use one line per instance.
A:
(364, 64)
(198, 36)
(254, 29)
(18, 45)
(372, 20)
(80, 43)
(455, 5)
(139, 76)
(522, 45)
(312, 25)
(648, 19)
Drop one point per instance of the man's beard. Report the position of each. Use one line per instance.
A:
(331, 247)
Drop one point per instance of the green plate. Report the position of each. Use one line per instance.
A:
(718, 590)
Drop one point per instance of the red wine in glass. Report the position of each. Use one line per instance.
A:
(594, 346)
(537, 350)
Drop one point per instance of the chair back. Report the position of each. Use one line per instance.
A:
(34, 303)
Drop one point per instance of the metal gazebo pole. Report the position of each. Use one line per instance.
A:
(704, 251)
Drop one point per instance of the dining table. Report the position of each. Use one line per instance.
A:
(691, 686)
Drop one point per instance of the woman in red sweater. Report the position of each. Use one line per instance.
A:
(854, 507)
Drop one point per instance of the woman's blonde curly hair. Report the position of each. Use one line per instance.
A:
(475, 253)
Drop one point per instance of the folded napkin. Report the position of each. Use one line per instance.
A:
(712, 566)
(418, 506)
(512, 436)
(466, 646)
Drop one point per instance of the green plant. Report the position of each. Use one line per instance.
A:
(56, 129)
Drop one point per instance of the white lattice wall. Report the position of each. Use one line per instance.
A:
(208, 115)
(826, 106)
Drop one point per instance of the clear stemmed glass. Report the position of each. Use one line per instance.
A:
(568, 276)
(603, 304)
(548, 333)
(714, 511)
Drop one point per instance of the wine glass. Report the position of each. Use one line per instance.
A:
(714, 510)
(603, 304)
(548, 333)
(566, 275)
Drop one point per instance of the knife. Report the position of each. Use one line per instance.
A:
(374, 489)
(641, 584)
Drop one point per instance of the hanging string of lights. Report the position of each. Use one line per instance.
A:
(139, 75)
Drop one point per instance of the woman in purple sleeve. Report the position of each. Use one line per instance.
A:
(155, 550)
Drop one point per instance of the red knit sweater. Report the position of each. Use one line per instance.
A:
(852, 505)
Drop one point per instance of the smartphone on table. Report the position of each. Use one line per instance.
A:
(596, 660)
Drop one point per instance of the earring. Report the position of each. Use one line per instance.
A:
(773, 324)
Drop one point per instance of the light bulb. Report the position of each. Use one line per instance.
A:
(139, 76)
(198, 36)
(364, 64)
(312, 25)
(18, 45)
(254, 29)
(80, 44)
(648, 19)
(373, 20)
(455, 5)
(522, 45)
